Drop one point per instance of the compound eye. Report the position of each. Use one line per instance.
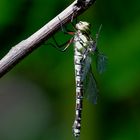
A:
(80, 23)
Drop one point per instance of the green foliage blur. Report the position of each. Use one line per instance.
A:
(37, 97)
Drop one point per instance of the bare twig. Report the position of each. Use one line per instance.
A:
(25, 47)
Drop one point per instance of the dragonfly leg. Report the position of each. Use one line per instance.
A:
(72, 17)
(65, 30)
(67, 43)
(58, 47)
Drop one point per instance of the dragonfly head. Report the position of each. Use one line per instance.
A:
(83, 26)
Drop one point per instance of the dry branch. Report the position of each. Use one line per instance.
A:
(25, 47)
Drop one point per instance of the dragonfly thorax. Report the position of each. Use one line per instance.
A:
(80, 42)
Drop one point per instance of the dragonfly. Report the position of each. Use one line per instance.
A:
(84, 47)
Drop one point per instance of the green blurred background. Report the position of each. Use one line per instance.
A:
(37, 98)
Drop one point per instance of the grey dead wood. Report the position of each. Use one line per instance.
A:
(25, 47)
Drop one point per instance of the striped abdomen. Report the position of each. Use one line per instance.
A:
(80, 42)
(79, 94)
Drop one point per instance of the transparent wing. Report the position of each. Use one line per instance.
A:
(87, 64)
(101, 62)
(90, 86)
(91, 90)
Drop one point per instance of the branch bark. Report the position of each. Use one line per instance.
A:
(25, 47)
